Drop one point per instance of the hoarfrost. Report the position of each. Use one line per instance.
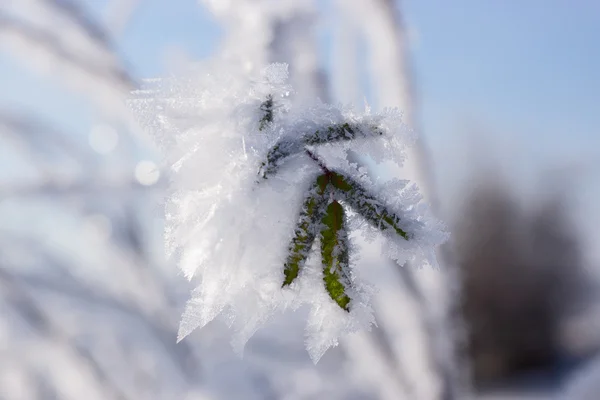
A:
(229, 229)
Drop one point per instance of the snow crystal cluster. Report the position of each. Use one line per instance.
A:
(229, 222)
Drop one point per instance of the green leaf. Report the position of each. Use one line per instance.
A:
(334, 254)
(373, 210)
(288, 147)
(337, 133)
(305, 232)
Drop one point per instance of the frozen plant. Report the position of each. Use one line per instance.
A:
(256, 183)
(322, 214)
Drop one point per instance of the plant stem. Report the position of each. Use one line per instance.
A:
(320, 163)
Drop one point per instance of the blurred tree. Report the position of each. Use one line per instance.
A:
(522, 277)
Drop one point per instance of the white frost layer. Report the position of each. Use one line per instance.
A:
(584, 385)
(230, 230)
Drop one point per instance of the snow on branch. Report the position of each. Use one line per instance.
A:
(256, 183)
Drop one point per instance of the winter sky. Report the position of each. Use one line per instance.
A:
(524, 73)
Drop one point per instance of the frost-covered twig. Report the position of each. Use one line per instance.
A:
(37, 319)
(305, 192)
(64, 41)
(54, 47)
(322, 214)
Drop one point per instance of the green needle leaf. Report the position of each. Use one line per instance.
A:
(334, 254)
(366, 205)
(305, 232)
(337, 133)
(288, 147)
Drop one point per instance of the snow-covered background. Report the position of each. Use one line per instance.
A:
(504, 97)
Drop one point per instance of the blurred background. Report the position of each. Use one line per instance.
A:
(505, 97)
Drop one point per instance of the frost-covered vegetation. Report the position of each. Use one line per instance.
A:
(298, 222)
(255, 182)
(90, 308)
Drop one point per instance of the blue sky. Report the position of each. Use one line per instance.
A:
(528, 69)
(524, 74)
